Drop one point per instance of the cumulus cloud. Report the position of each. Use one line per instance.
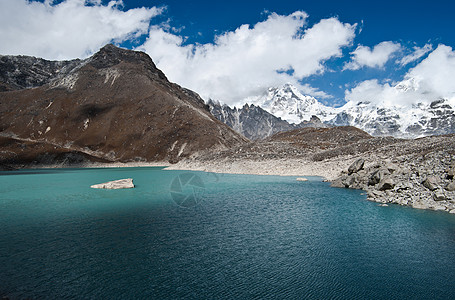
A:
(364, 56)
(247, 61)
(417, 53)
(430, 80)
(69, 29)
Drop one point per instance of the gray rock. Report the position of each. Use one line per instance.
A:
(386, 184)
(450, 187)
(391, 167)
(450, 172)
(362, 173)
(403, 186)
(356, 166)
(431, 183)
(337, 183)
(373, 194)
(378, 176)
(439, 196)
(349, 181)
(116, 184)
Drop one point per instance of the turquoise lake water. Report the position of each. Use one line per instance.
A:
(198, 235)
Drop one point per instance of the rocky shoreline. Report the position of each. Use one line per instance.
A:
(424, 184)
(418, 173)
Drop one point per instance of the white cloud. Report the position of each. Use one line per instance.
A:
(364, 56)
(435, 74)
(430, 80)
(70, 29)
(245, 62)
(415, 55)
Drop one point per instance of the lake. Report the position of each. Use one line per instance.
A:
(198, 235)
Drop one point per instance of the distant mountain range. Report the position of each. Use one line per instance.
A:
(284, 108)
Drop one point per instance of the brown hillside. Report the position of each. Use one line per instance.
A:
(117, 106)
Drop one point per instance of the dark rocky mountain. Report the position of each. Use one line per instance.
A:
(114, 106)
(254, 122)
(21, 72)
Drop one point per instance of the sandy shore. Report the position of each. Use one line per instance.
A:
(329, 169)
(125, 165)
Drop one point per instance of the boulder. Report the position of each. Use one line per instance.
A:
(338, 183)
(403, 186)
(439, 196)
(352, 181)
(391, 167)
(450, 187)
(386, 184)
(116, 184)
(378, 176)
(450, 172)
(431, 183)
(356, 166)
(373, 194)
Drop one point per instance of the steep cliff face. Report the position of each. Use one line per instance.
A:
(256, 123)
(250, 120)
(117, 106)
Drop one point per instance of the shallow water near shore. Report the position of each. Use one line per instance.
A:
(199, 235)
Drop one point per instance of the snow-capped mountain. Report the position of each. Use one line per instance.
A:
(289, 104)
(410, 121)
(407, 122)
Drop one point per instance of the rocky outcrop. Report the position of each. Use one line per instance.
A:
(115, 185)
(431, 183)
(421, 183)
(356, 166)
(450, 187)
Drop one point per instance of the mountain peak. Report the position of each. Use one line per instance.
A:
(111, 55)
(115, 106)
(288, 103)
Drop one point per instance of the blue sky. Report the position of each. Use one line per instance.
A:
(360, 48)
(412, 23)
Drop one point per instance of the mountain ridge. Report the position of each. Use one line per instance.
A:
(418, 120)
(117, 106)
